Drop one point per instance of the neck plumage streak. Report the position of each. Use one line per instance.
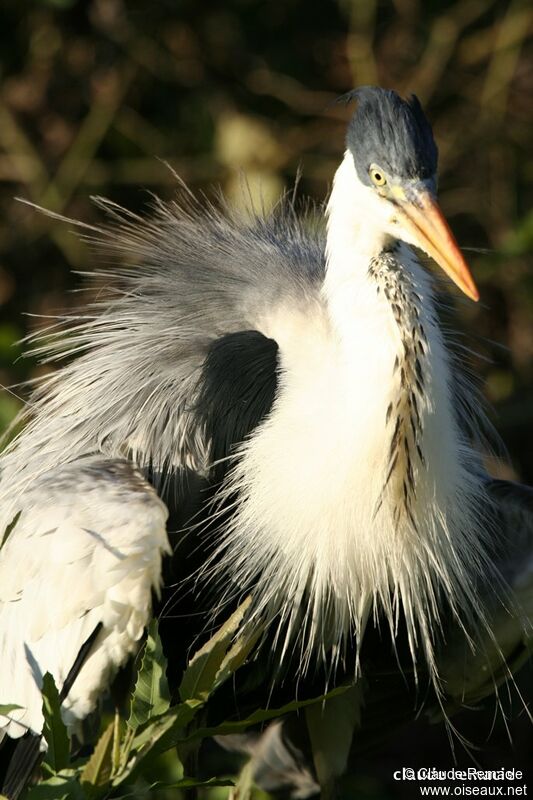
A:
(359, 492)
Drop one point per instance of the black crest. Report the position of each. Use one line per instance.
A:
(392, 133)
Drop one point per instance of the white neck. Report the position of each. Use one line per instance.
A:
(356, 234)
(358, 492)
(347, 208)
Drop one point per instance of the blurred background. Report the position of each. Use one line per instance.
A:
(96, 94)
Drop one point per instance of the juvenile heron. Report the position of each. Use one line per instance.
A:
(306, 379)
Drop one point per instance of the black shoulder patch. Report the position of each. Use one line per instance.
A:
(237, 389)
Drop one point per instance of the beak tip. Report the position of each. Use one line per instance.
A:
(433, 235)
(473, 293)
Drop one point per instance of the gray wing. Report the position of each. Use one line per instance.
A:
(173, 366)
(84, 554)
(195, 275)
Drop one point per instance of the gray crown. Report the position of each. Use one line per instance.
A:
(391, 132)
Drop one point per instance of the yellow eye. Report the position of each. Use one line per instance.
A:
(377, 176)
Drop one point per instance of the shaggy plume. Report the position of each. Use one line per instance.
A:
(323, 533)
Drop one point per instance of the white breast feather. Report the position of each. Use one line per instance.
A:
(309, 526)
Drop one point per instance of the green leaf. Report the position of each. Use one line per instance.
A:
(185, 783)
(261, 715)
(245, 781)
(190, 783)
(146, 741)
(151, 696)
(6, 709)
(63, 786)
(54, 730)
(200, 677)
(208, 669)
(99, 767)
(235, 657)
(169, 730)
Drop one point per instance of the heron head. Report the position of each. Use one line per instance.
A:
(395, 158)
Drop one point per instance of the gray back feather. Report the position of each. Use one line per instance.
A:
(179, 279)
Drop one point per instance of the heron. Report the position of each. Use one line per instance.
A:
(301, 373)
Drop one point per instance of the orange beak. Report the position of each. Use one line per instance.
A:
(425, 222)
